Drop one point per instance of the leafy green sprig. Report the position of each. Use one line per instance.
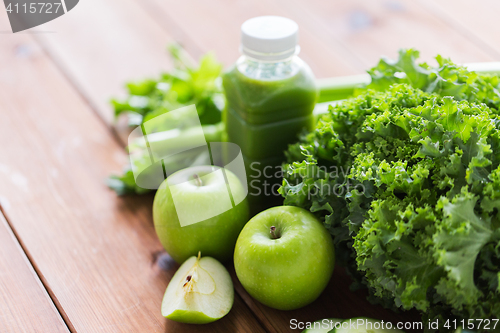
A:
(418, 222)
(188, 83)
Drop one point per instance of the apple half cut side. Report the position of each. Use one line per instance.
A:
(200, 292)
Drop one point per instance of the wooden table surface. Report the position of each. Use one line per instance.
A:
(74, 257)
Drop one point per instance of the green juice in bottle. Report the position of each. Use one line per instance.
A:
(270, 95)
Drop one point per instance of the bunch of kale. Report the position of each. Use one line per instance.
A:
(415, 212)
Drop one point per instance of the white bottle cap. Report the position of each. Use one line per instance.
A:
(269, 38)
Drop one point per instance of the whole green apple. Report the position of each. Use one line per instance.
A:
(200, 208)
(284, 257)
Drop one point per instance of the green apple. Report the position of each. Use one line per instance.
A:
(200, 292)
(323, 326)
(284, 257)
(200, 208)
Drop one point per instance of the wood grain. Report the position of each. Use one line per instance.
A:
(98, 254)
(476, 20)
(372, 28)
(25, 305)
(337, 37)
(103, 44)
(215, 26)
(93, 250)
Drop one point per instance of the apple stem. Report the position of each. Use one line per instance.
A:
(273, 233)
(198, 179)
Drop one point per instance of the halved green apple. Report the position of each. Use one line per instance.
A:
(200, 292)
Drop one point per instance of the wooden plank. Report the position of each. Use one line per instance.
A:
(102, 44)
(25, 305)
(211, 28)
(337, 37)
(215, 26)
(337, 301)
(370, 29)
(123, 43)
(475, 19)
(93, 250)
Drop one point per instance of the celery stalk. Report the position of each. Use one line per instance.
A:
(342, 87)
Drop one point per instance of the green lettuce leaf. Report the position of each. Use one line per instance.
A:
(418, 223)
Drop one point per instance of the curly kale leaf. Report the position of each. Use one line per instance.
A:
(447, 79)
(418, 222)
(408, 256)
(321, 160)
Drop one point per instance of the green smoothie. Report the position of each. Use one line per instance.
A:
(264, 115)
(270, 94)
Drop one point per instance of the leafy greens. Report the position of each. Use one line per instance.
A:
(415, 210)
(186, 84)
